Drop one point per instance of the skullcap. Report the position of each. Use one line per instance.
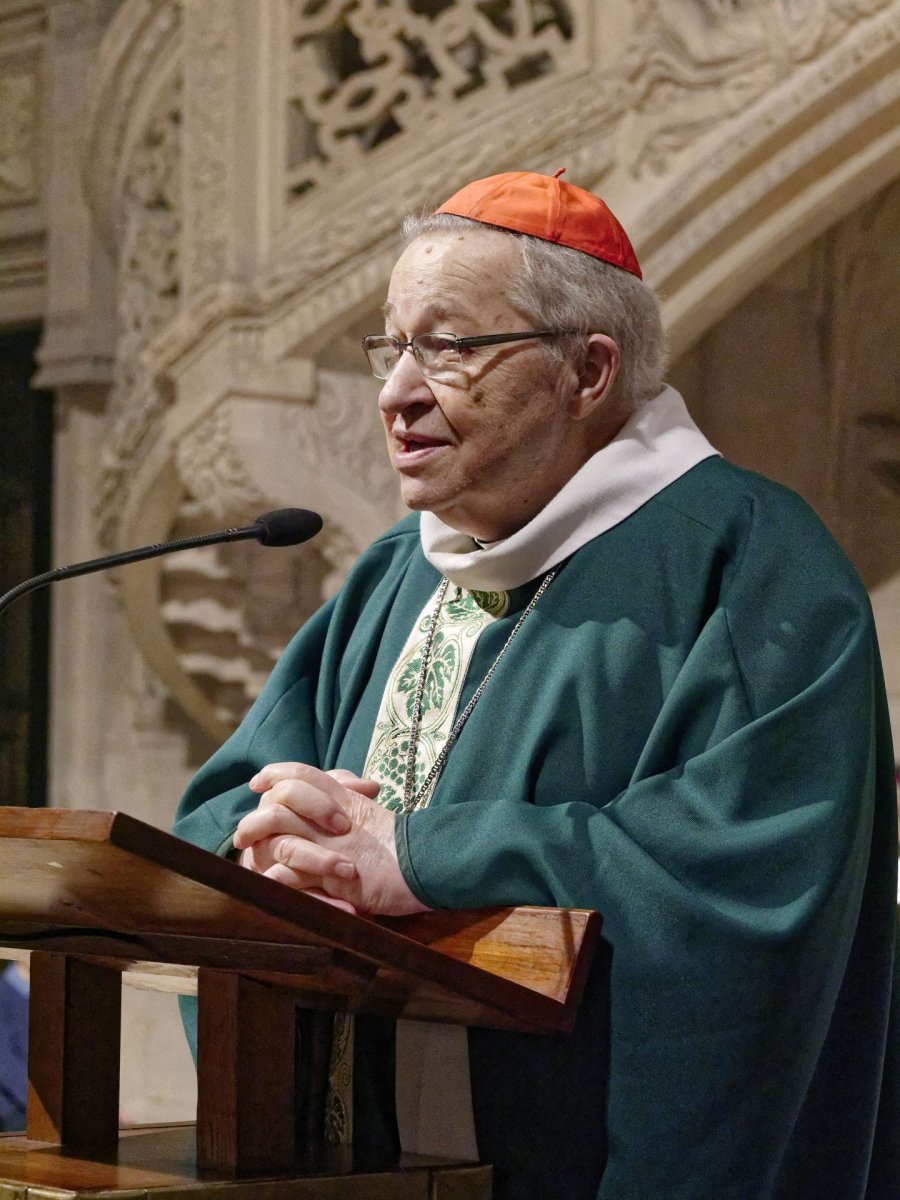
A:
(543, 206)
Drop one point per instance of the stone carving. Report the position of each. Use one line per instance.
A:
(685, 68)
(19, 128)
(230, 610)
(343, 439)
(208, 47)
(150, 228)
(698, 232)
(208, 599)
(363, 71)
(149, 288)
(214, 474)
(140, 44)
(691, 63)
(331, 453)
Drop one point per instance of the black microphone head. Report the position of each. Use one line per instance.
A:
(287, 526)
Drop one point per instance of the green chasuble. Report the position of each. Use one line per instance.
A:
(689, 734)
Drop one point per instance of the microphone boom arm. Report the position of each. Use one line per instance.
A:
(284, 527)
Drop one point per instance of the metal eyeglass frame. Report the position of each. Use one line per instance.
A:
(455, 343)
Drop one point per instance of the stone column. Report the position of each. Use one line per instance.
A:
(76, 361)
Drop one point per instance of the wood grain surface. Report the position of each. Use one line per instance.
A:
(105, 884)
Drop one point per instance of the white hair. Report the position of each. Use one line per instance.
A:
(561, 288)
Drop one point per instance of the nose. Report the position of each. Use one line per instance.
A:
(405, 387)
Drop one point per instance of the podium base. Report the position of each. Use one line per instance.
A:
(158, 1162)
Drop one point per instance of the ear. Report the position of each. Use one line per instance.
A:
(601, 366)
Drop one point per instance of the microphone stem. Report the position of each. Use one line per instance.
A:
(127, 556)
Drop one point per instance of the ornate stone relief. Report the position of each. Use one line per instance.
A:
(362, 72)
(209, 37)
(700, 94)
(865, 43)
(691, 64)
(141, 42)
(19, 130)
(23, 153)
(816, 144)
(214, 474)
(231, 610)
(256, 452)
(686, 68)
(248, 455)
(149, 287)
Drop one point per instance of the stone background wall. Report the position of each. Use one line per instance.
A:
(199, 203)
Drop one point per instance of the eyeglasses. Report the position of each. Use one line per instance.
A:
(439, 355)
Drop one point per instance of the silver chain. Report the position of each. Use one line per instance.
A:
(410, 801)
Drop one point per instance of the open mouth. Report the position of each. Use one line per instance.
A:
(409, 443)
(413, 449)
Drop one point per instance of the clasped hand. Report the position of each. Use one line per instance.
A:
(323, 833)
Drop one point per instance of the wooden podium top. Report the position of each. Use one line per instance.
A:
(106, 885)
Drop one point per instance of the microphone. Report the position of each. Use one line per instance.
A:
(283, 527)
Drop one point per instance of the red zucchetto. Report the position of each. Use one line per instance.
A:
(546, 207)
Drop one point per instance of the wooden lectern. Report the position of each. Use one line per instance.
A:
(91, 894)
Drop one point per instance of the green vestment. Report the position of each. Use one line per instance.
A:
(689, 734)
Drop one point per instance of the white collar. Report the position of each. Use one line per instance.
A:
(657, 445)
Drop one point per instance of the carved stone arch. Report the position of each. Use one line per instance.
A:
(799, 381)
(807, 153)
(141, 50)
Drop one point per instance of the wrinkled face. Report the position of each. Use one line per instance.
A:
(487, 449)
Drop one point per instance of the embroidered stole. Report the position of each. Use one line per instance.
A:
(463, 617)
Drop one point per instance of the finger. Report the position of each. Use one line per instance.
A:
(272, 819)
(267, 822)
(246, 858)
(311, 792)
(322, 807)
(307, 884)
(274, 773)
(293, 879)
(256, 858)
(301, 855)
(271, 773)
(332, 900)
(366, 787)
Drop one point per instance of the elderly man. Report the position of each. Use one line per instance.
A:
(605, 669)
